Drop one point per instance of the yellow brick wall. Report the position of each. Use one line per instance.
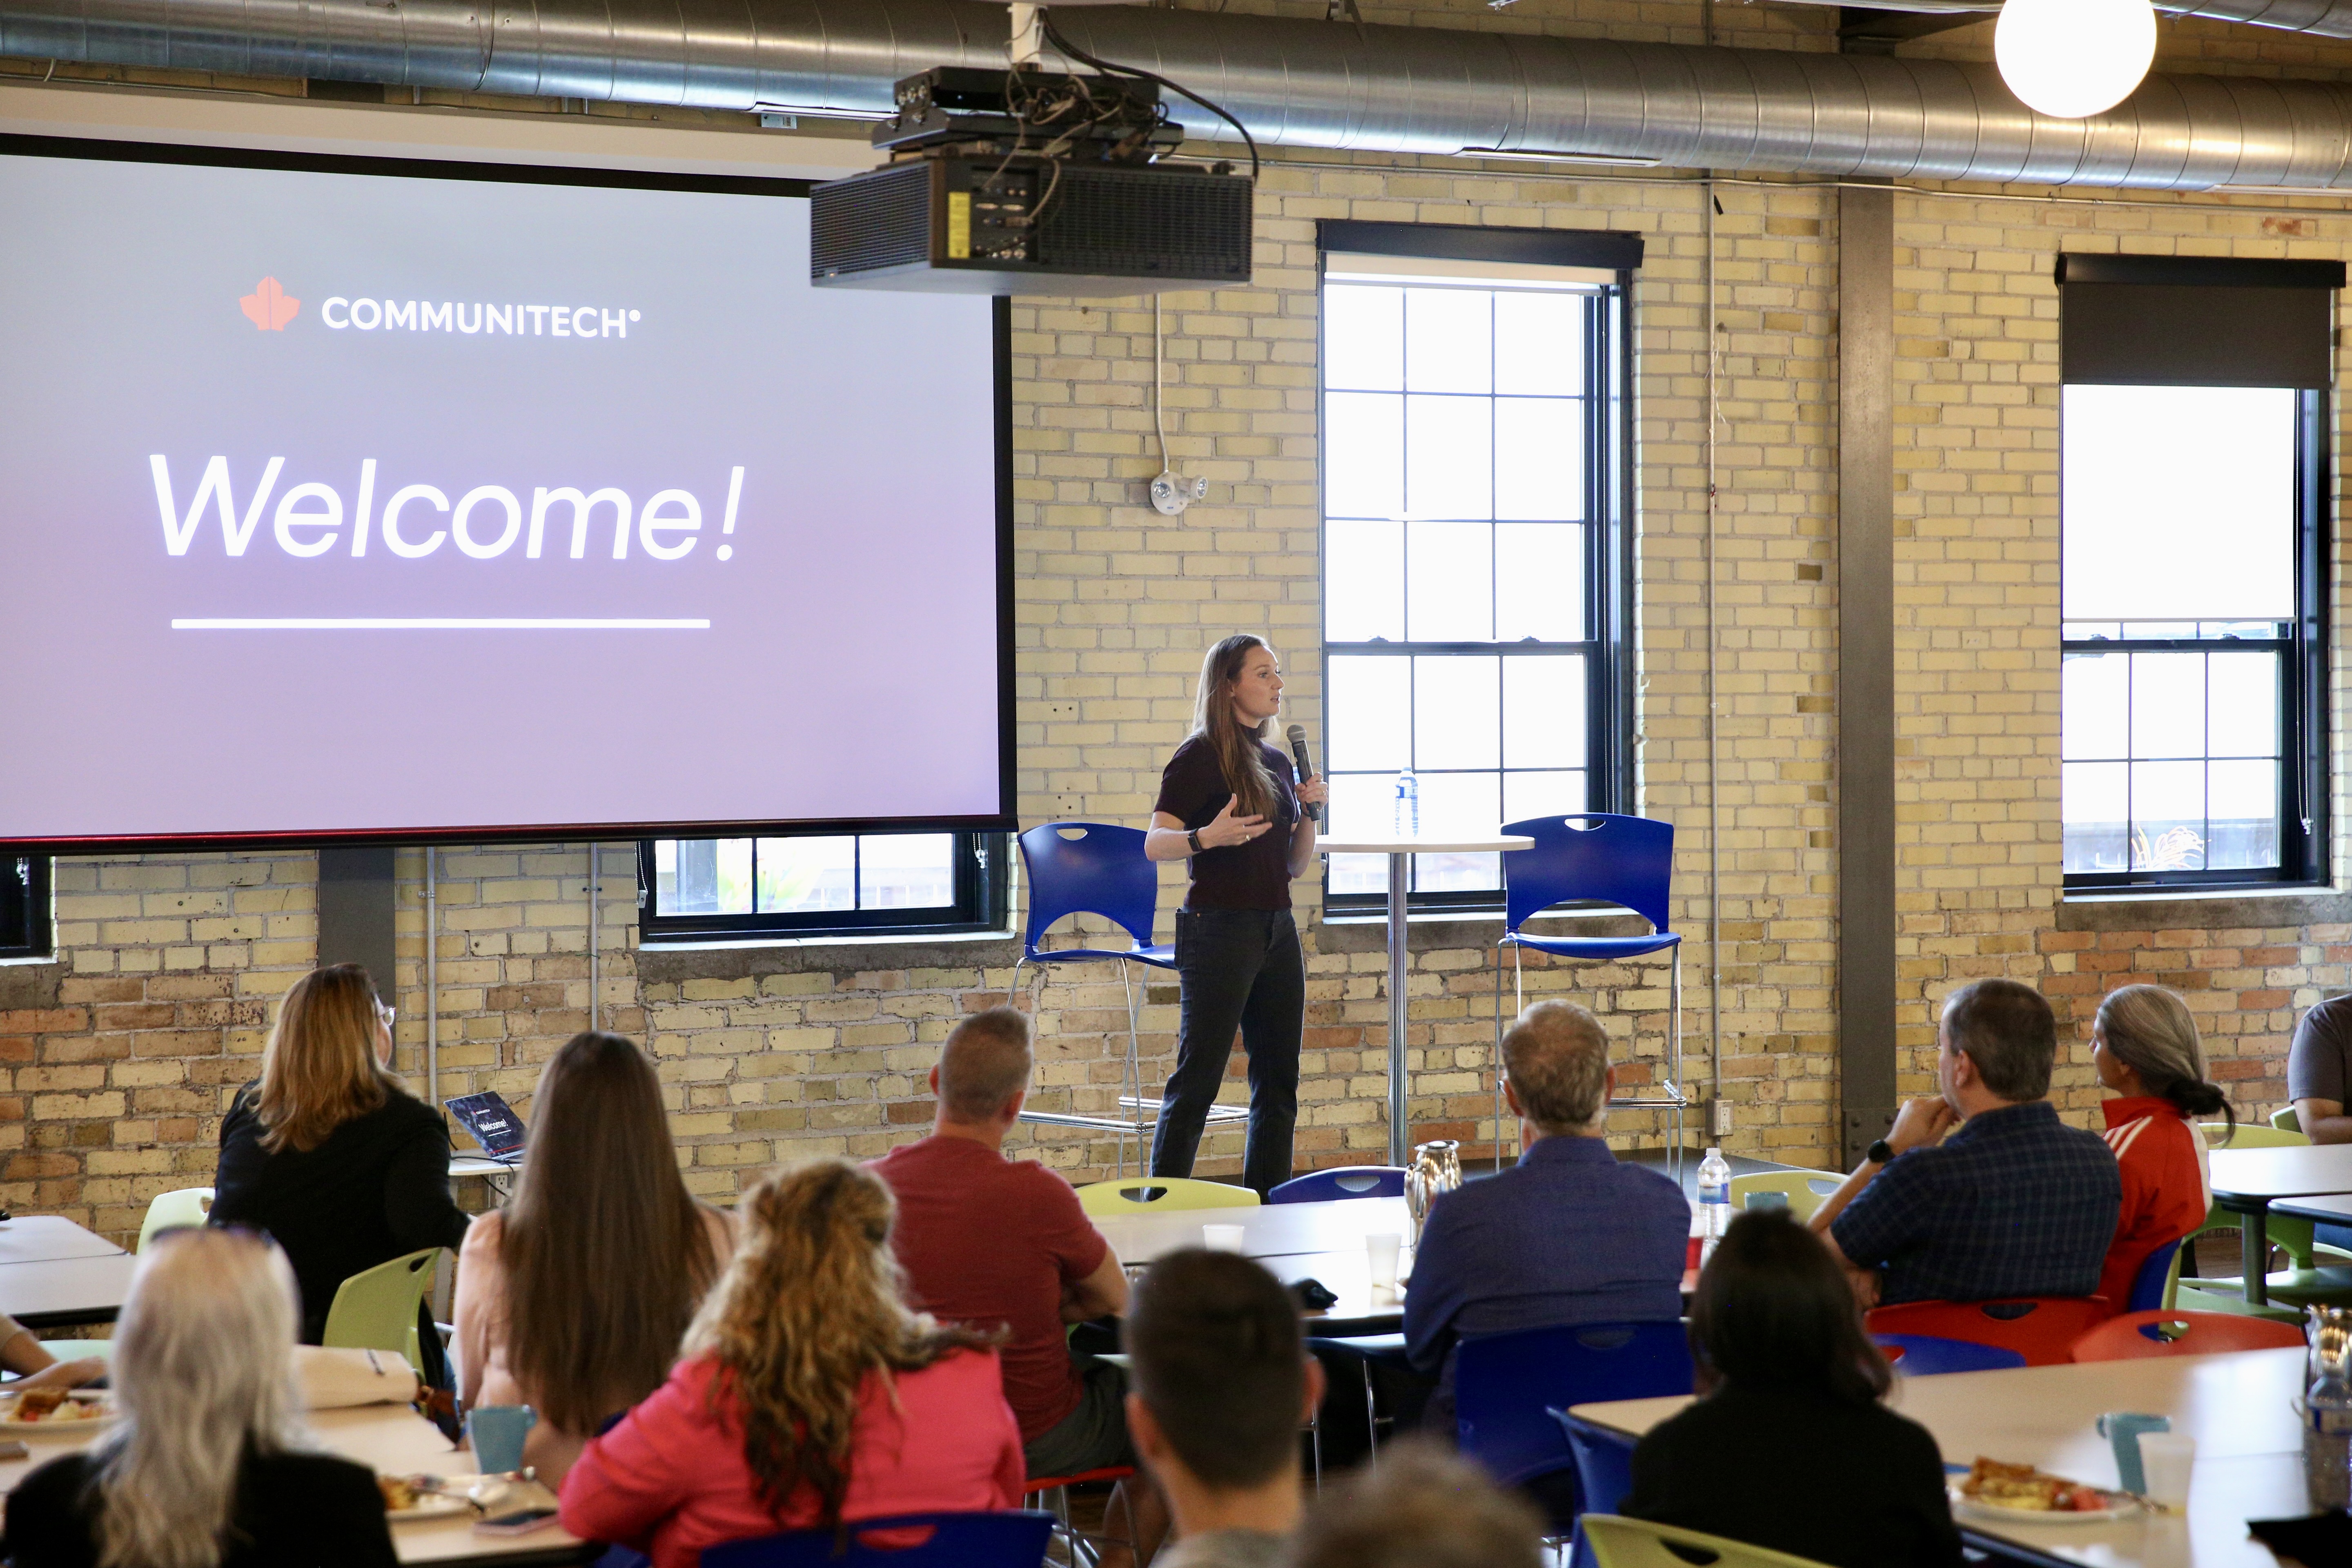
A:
(121, 1057)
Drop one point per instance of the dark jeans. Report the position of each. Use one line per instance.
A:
(1241, 969)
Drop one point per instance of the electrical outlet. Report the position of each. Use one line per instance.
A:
(1719, 1117)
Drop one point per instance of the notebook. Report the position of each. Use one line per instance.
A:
(492, 1121)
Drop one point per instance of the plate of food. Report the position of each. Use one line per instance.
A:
(1994, 1491)
(423, 1496)
(54, 1410)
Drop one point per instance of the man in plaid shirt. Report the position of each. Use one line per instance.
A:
(2014, 1203)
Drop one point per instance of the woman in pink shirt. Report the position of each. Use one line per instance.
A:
(810, 1394)
(2146, 1047)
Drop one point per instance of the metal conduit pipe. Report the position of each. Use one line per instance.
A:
(1296, 83)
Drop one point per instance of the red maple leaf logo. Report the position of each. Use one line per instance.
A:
(270, 306)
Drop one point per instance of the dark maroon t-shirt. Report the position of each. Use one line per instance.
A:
(1252, 875)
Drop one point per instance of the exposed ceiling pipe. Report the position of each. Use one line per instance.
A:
(1296, 83)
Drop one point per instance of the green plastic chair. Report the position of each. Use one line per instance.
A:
(1162, 1194)
(376, 1309)
(185, 1208)
(1620, 1543)
(1806, 1190)
(2286, 1120)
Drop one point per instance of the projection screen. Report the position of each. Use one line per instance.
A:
(397, 499)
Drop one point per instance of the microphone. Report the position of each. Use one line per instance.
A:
(1297, 733)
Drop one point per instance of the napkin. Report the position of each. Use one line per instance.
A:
(334, 1379)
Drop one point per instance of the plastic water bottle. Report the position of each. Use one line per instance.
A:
(1714, 1202)
(1406, 822)
(2328, 1442)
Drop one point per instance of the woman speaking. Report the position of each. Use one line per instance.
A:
(1228, 803)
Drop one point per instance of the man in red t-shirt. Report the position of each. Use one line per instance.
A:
(991, 1241)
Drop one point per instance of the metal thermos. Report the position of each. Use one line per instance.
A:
(1437, 1168)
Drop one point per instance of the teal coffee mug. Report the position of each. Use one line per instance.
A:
(2123, 1429)
(496, 1432)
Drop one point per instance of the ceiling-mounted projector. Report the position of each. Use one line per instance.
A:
(1031, 182)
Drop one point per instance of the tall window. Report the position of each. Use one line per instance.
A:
(24, 906)
(1473, 476)
(869, 884)
(2189, 728)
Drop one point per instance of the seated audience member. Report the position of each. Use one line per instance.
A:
(572, 1298)
(811, 1394)
(1785, 1369)
(1568, 1236)
(2146, 1047)
(2318, 1068)
(35, 1367)
(2014, 1202)
(1222, 1386)
(209, 1465)
(1001, 1243)
(1420, 1508)
(330, 1153)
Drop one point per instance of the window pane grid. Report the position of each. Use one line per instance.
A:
(1458, 494)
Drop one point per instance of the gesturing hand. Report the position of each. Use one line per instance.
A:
(1228, 828)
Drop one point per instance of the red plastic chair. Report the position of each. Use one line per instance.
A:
(2136, 1334)
(1057, 1490)
(2041, 1329)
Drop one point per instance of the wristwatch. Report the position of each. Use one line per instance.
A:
(1192, 836)
(1880, 1152)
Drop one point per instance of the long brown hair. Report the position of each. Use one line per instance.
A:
(319, 1069)
(1234, 744)
(1773, 1310)
(607, 1255)
(812, 1302)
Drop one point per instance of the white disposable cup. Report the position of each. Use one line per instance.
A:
(1381, 1251)
(1221, 1237)
(2168, 1458)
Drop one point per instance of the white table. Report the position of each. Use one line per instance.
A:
(53, 1272)
(1401, 852)
(2237, 1407)
(1268, 1230)
(391, 1439)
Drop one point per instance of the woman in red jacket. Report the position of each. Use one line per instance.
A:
(2146, 1047)
(810, 1394)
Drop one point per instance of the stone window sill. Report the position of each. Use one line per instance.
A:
(2193, 910)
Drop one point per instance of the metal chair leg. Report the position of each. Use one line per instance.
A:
(1498, 1056)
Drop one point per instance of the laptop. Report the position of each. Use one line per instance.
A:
(493, 1123)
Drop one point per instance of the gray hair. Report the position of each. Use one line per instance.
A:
(204, 1371)
(2150, 1031)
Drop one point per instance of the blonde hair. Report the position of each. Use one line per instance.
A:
(1556, 1058)
(812, 1302)
(2151, 1031)
(204, 1373)
(319, 1069)
(1231, 742)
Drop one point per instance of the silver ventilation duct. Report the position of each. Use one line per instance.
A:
(2313, 18)
(1294, 83)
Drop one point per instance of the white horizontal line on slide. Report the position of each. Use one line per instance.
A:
(437, 624)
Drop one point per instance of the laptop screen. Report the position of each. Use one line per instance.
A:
(492, 1121)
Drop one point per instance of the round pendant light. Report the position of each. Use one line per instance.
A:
(2073, 59)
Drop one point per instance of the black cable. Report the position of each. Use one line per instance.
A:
(1053, 36)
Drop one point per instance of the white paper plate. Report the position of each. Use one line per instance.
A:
(49, 1426)
(431, 1505)
(2119, 1507)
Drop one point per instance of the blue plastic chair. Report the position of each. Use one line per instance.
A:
(1596, 857)
(1097, 868)
(1604, 1473)
(1340, 1182)
(1507, 1385)
(2152, 1284)
(1014, 1539)
(1927, 1355)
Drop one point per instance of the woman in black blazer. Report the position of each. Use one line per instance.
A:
(329, 1152)
(1788, 1416)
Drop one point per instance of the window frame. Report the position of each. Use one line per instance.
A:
(1608, 480)
(2304, 804)
(26, 883)
(981, 906)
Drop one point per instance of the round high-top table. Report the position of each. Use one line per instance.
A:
(1401, 852)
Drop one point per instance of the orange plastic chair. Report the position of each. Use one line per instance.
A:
(2041, 1329)
(2136, 1334)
